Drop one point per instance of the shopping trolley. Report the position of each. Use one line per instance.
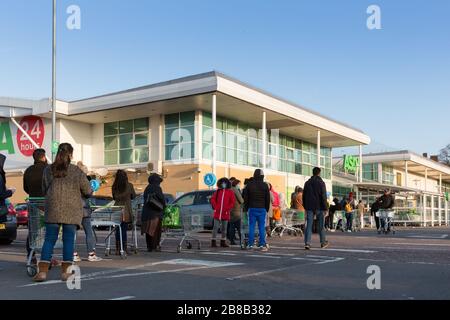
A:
(291, 222)
(110, 217)
(136, 206)
(36, 232)
(182, 227)
(386, 221)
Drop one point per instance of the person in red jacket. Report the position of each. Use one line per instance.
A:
(222, 202)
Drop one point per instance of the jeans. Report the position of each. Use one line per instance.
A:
(51, 236)
(89, 232)
(349, 218)
(257, 214)
(124, 228)
(234, 226)
(309, 226)
(223, 228)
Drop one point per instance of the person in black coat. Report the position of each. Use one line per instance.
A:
(374, 208)
(152, 214)
(315, 203)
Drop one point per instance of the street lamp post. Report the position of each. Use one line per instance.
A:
(53, 80)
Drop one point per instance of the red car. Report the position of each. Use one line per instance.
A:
(21, 214)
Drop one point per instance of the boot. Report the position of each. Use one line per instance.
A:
(64, 270)
(213, 244)
(43, 270)
(223, 244)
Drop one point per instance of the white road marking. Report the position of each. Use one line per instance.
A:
(372, 260)
(198, 265)
(314, 262)
(263, 256)
(443, 236)
(426, 263)
(423, 244)
(13, 253)
(218, 253)
(328, 249)
(123, 298)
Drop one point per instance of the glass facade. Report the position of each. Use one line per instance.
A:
(179, 136)
(388, 175)
(239, 143)
(370, 172)
(126, 142)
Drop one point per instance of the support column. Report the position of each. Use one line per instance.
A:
(214, 133)
(426, 179)
(380, 173)
(406, 174)
(360, 164)
(440, 210)
(264, 140)
(318, 148)
(446, 212)
(424, 210)
(432, 210)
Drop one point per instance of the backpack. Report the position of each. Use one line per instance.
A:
(348, 207)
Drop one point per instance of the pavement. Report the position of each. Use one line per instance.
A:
(413, 264)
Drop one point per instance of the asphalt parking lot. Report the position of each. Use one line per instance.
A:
(413, 264)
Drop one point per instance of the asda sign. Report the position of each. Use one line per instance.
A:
(351, 164)
(16, 145)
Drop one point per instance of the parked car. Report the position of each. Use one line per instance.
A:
(138, 203)
(197, 202)
(21, 214)
(8, 225)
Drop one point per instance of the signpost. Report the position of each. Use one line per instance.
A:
(210, 179)
(55, 146)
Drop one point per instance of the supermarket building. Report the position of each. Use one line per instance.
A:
(421, 184)
(173, 128)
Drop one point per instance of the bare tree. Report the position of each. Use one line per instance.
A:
(444, 155)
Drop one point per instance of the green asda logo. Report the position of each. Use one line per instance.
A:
(6, 141)
(351, 164)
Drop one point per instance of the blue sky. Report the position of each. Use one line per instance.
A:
(393, 83)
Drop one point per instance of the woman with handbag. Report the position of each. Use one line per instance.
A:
(123, 192)
(152, 212)
(63, 185)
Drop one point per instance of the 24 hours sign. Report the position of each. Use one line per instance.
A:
(34, 126)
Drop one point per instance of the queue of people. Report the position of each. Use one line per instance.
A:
(66, 188)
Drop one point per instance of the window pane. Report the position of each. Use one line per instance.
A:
(252, 145)
(231, 140)
(126, 156)
(187, 150)
(207, 134)
(253, 159)
(207, 119)
(126, 126)
(242, 129)
(242, 158)
(187, 200)
(272, 149)
(126, 141)
(111, 143)
(141, 125)
(298, 168)
(141, 139)
(242, 142)
(252, 133)
(231, 126)
(282, 152)
(172, 136)
(111, 157)
(172, 120)
(289, 142)
(141, 155)
(207, 151)
(221, 140)
(314, 160)
(290, 166)
(306, 157)
(187, 134)
(220, 123)
(298, 156)
(221, 154)
(172, 152)
(298, 144)
(187, 118)
(231, 155)
(111, 128)
(289, 154)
